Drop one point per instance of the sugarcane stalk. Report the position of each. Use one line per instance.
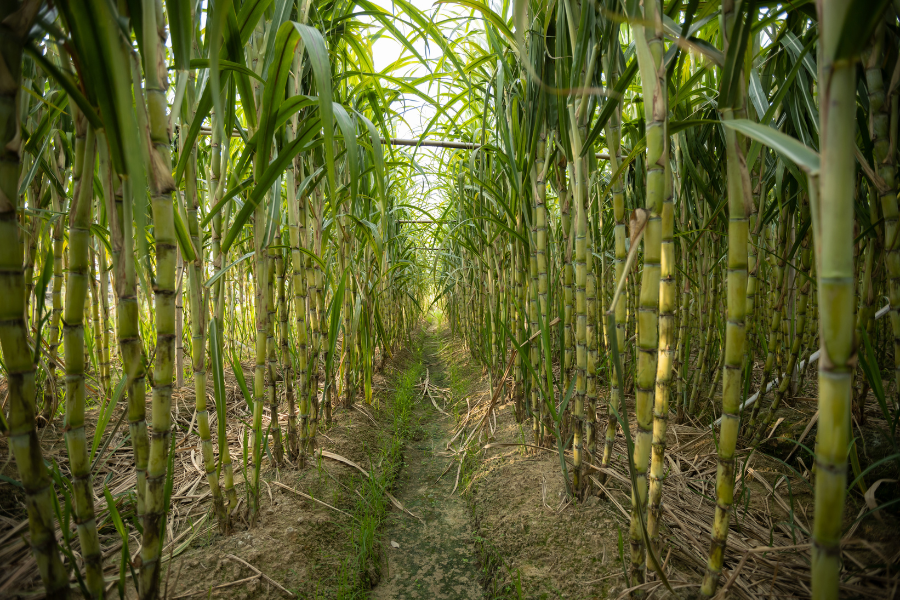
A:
(832, 214)
(17, 352)
(665, 359)
(161, 187)
(739, 201)
(58, 205)
(614, 142)
(648, 40)
(271, 356)
(884, 160)
(77, 284)
(799, 331)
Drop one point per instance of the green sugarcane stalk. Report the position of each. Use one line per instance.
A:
(297, 229)
(218, 159)
(682, 351)
(105, 375)
(880, 131)
(17, 353)
(520, 323)
(523, 381)
(299, 288)
(566, 221)
(779, 293)
(592, 333)
(321, 312)
(127, 317)
(161, 187)
(314, 312)
(580, 267)
(284, 357)
(533, 311)
(199, 312)
(739, 201)
(796, 345)
(216, 193)
(832, 214)
(31, 225)
(77, 284)
(58, 205)
(95, 321)
(271, 356)
(614, 143)
(90, 326)
(259, 371)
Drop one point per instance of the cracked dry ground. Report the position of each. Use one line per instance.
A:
(431, 558)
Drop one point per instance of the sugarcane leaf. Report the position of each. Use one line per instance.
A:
(378, 152)
(315, 257)
(104, 417)
(280, 14)
(242, 382)
(387, 20)
(184, 237)
(204, 105)
(231, 193)
(428, 28)
(279, 66)
(65, 81)
(803, 156)
(40, 291)
(732, 70)
(757, 95)
(29, 176)
(291, 106)
(180, 27)
(348, 129)
(114, 515)
(370, 232)
(489, 15)
(48, 119)
(224, 65)
(218, 275)
(304, 141)
(317, 51)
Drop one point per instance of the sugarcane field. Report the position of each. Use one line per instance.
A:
(449, 299)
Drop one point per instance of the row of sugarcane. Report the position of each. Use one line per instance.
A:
(191, 176)
(688, 187)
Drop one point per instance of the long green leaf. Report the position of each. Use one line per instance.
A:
(803, 156)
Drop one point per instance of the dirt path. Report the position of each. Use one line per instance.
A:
(436, 559)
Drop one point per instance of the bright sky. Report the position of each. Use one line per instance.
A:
(388, 50)
(417, 113)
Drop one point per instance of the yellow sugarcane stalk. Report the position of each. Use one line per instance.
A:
(648, 43)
